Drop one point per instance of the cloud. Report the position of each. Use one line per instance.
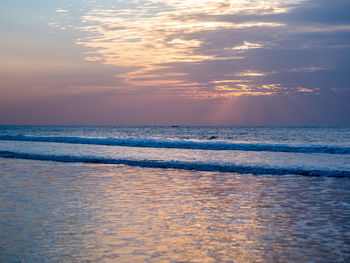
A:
(204, 62)
(173, 45)
(247, 45)
(59, 10)
(250, 73)
(307, 69)
(320, 12)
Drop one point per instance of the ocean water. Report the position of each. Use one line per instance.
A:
(174, 194)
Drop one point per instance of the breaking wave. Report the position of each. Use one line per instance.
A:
(196, 166)
(202, 145)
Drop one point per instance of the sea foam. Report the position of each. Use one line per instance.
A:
(182, 144)
(196, 166)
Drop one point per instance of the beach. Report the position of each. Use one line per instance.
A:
(54, 212)
(156, 131)
(73, 211)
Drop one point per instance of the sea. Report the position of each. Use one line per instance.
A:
(174, 194)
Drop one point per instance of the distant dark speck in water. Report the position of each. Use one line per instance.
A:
(213, 137)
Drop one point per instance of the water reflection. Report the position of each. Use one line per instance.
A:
(51, 212)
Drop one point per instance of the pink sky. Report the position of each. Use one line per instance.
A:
(164, 62)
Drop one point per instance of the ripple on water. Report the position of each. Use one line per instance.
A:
(53, 212)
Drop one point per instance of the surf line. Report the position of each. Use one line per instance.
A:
(195, 166)
(217, 146)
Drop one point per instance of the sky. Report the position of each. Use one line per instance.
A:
(175, 62)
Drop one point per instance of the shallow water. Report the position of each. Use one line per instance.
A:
(238, 194)
(317, 151)
(76, 212)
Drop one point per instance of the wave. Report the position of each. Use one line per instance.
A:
(152, 143)
(196, 166)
